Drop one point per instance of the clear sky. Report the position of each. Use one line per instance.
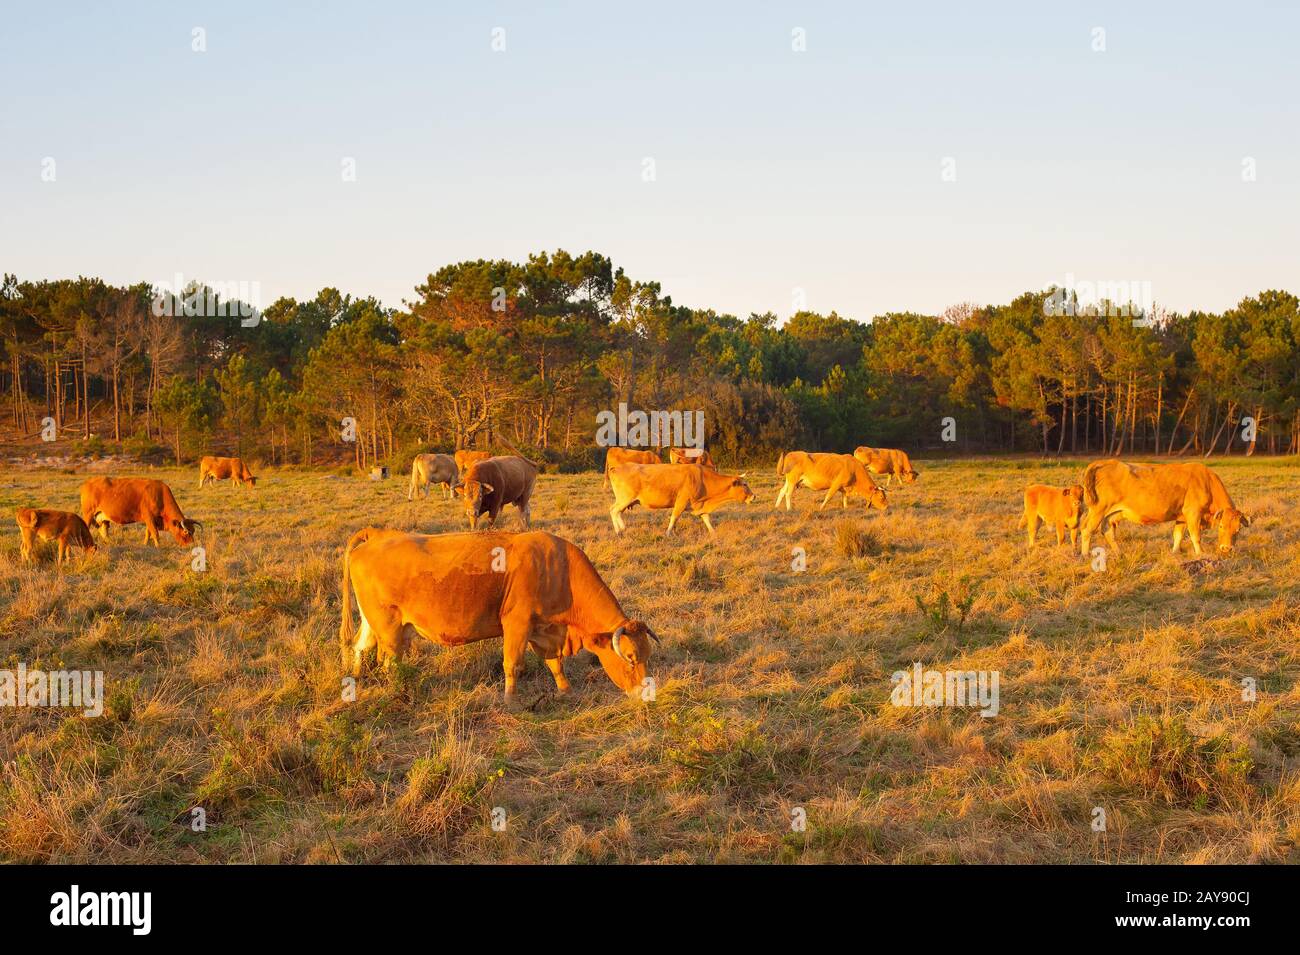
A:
(774, 170)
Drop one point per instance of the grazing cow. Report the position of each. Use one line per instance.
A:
(679, 486)
(833, 473)
(616, 456)
(465, 457)
(888, 461)
(1187, 493)
(218, 469)
(533, 589)
(61, 526)
(1056, 506)
(691, 456)
(429, 469)
(106, 500)
(490, 485)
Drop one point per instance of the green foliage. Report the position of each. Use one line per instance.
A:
(533, 350)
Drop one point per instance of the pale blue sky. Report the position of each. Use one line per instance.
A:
(776, 170)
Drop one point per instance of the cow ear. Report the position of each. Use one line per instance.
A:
(1245, 521)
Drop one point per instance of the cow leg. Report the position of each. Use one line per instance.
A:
(365, 640)
(1060, 534)
(1194, 531)
(391, 643)
(512, 653)
(672, 519)
(1074, 535)
(708, 523)
(29, 536)
(1110, 535)
(1179, 527)
(556, 666)
(1090, 525)
(614, 518)
(831, 492)
(1032, 520)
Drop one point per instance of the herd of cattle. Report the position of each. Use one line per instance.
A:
(536, 589)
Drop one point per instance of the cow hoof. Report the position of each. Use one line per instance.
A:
(513, 703)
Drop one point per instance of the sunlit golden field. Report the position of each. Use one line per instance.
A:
(1120, 689)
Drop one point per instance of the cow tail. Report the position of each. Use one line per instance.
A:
(346, 637)
(1090, 483)
(518, 453)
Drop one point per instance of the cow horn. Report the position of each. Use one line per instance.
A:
(654, 636)
(614, 641)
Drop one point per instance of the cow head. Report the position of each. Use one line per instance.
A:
(624, 653)
(248, 478)
(473, 492)
(1074, 504)
(1229, 521)
(876, 497)
(909, 476)
(738, 490)
(184, 529)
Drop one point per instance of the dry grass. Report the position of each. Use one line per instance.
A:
(1118, 689)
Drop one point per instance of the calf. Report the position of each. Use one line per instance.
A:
(1055, 506)
(65, 528)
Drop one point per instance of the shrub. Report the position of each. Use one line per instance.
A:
(1164, 758)
(854, 541)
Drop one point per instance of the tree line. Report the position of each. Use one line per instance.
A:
(528, 353)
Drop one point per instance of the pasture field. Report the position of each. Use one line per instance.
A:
(1119, 689)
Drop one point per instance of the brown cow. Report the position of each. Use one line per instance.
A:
(534, 589)
(616, 456)
(888, 461)
(691, 456)
(1055, 506)
(679, 486)
(218, 469)
(490, 485)
(106, 500)
(833, 473)
(65, 528)
(429, 469)
(465, 458)
(1187, 493)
